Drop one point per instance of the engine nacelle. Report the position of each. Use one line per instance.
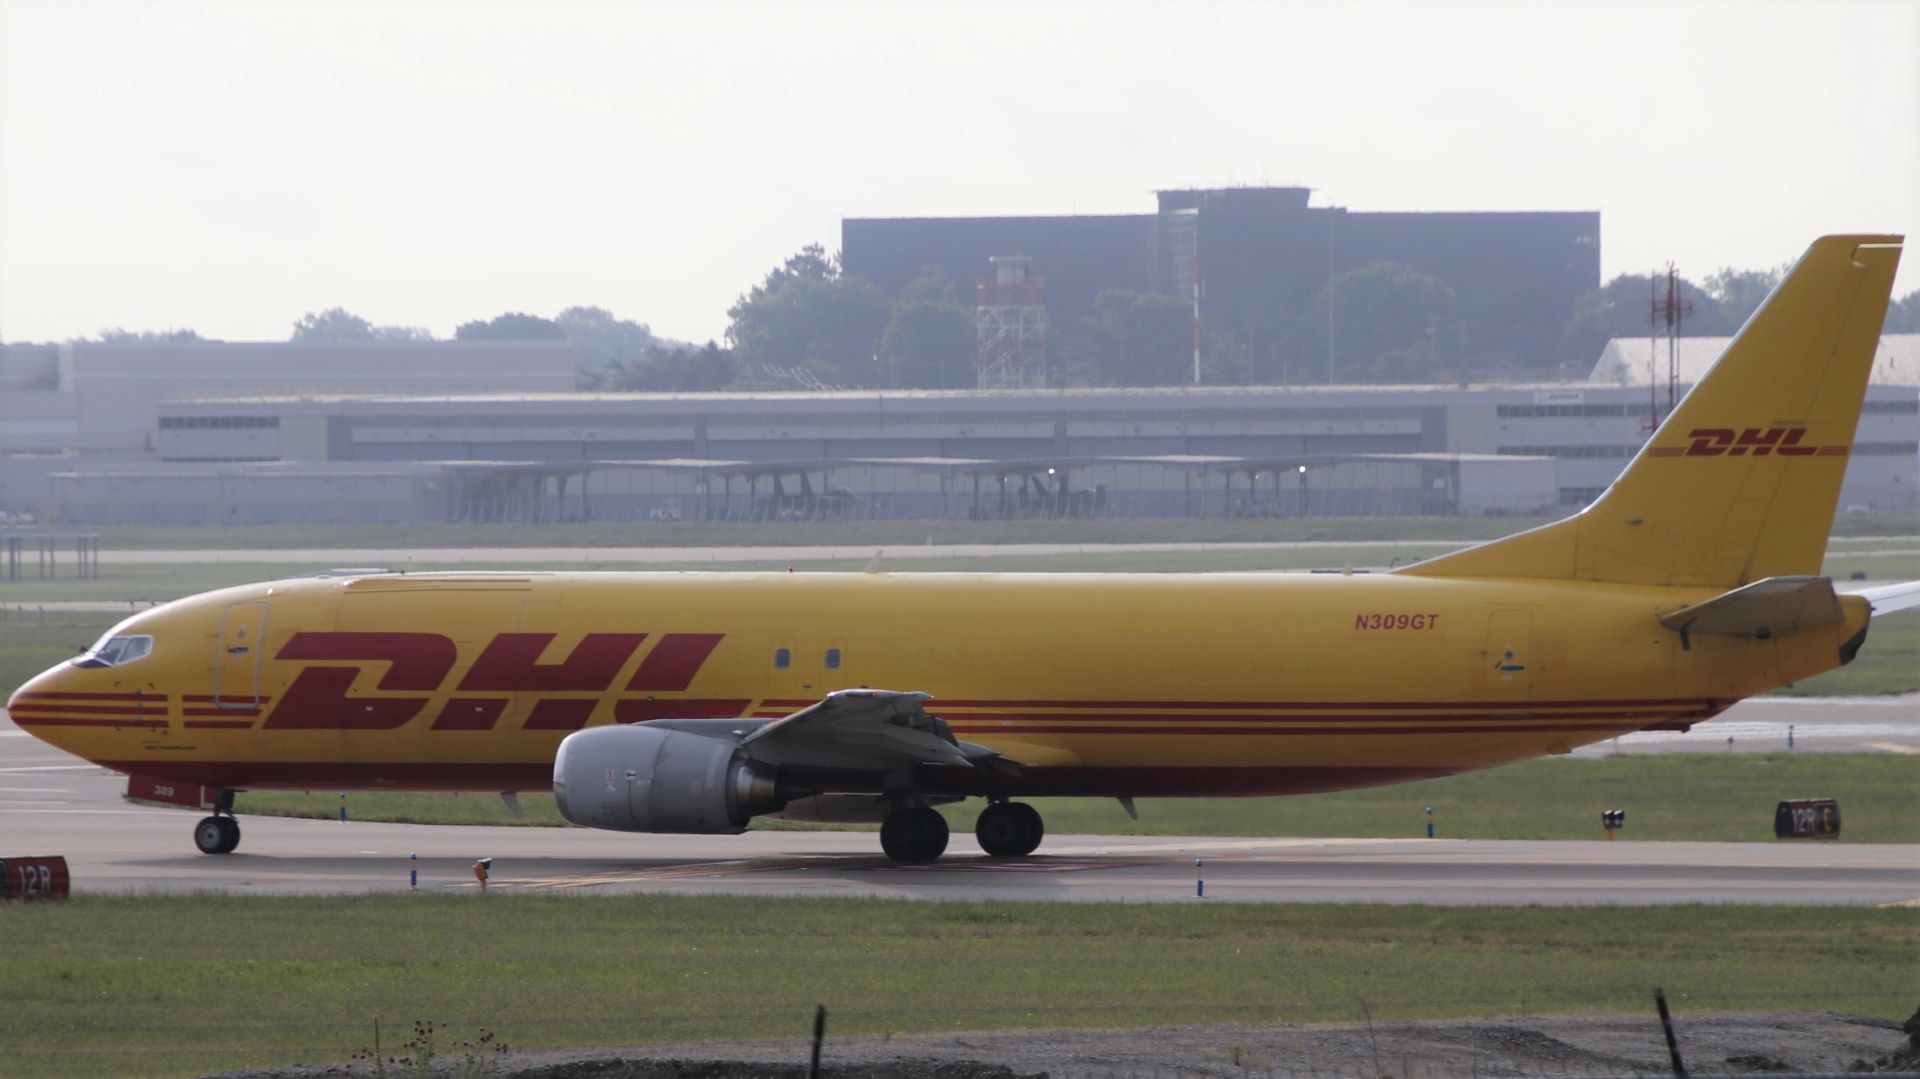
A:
(644, 779)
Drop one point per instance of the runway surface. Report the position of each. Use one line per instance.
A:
(52, 803)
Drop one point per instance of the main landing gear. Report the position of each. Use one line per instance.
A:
(919, 833)
(220, 833)
(1009, 829)
(914, 834)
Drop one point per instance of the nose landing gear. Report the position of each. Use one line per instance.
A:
(220, 833)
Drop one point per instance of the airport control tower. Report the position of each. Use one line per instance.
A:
(1011, 321)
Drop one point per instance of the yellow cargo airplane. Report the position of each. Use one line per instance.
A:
(693, 702)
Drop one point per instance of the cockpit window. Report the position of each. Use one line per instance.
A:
(116, 651)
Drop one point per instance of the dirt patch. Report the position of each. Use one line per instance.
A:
(1559, 1046)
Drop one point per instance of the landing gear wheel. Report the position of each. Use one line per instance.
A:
(1009, 829)
(216, 835)
(914, 835)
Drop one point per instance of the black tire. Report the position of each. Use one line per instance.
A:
(1036, 829)
(1009, 829)
(230, 835)
(931, 833)
(914, 835)
(210, 835)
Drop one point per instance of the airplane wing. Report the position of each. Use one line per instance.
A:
(867, 730)
(1887, 599)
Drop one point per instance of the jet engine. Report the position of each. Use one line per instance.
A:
(646, 779)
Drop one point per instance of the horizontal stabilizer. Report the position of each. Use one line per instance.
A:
(1761, 609)
(1887, 599)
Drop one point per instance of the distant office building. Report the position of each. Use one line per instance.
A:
(1323, 451)
(64, 404)
(1262, 253)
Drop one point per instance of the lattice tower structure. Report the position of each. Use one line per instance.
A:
(1011, 325)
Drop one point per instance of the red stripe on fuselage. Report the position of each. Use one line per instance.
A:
(40, 695)
(1495, 713)
(1295, 732)
(939, 704)
(74, 721)
(210, 698)
(159, 709)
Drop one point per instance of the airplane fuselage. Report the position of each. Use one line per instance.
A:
(1100, 684)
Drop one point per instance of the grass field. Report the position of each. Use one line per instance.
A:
(173, 985)
(832, 533)
(1667, 796)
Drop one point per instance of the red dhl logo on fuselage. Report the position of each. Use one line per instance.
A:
(1755, 441)
(419, 663)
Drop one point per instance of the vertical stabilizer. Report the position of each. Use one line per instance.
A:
(1740, 482)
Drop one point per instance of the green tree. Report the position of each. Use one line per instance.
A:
(1620, 308)
(405, 335)
(1389, 323)
(601, 340)
(118, 336)
(512, 326)
(810, 322)
(1740, 292)
(1144, 339)
(929, 344)
(1903, 315)
(338, 326)
(334, 326)
(673, 370)
(932, 286)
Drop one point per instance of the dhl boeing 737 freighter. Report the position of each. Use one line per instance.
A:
(693, 702)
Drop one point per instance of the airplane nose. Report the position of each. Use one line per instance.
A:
(40, 687)
(45, 706)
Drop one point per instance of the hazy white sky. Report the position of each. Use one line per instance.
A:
(227, 167)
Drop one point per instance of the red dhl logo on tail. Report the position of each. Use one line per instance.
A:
(1755, 441)
(418, 665)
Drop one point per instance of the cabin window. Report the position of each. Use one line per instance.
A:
(833, 659)
(116, 651)
(782, 658)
